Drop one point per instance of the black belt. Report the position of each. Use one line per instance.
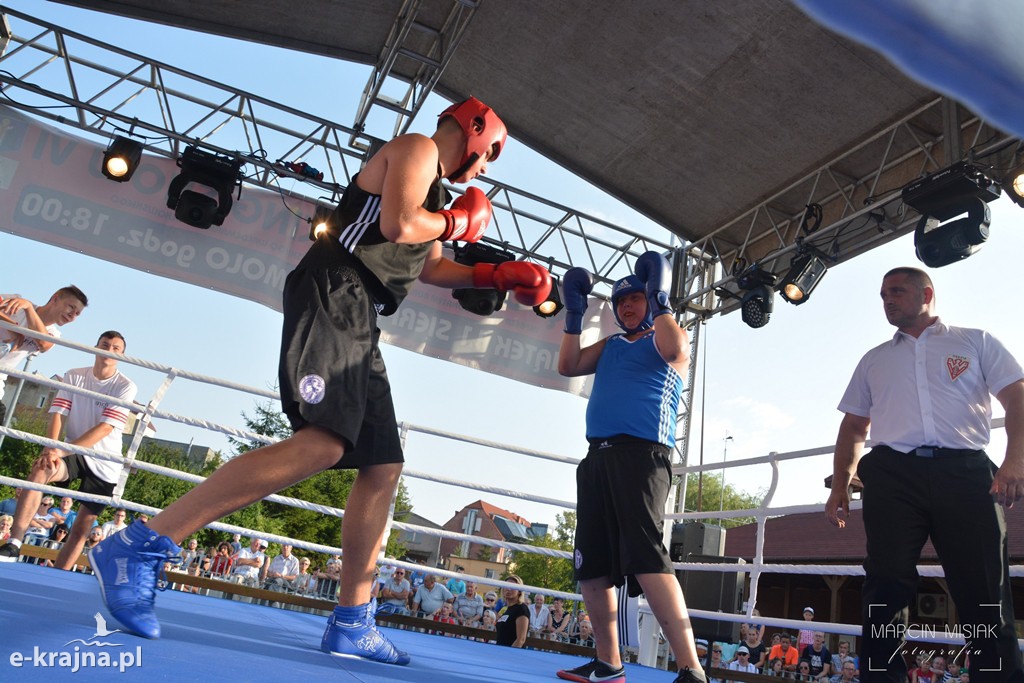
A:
(938, 452)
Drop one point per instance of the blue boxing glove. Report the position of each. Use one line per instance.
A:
(576, 285)
(655, 272)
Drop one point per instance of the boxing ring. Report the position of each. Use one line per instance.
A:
(50, 615)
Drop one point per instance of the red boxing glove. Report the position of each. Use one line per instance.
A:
(530, 283)
(468, 218)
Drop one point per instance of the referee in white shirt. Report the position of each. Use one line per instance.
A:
(926, 396)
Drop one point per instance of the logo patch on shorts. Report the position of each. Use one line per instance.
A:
(578, 559)
(311, 388)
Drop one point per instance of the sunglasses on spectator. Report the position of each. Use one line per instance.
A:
(741, 654)
(718, 651)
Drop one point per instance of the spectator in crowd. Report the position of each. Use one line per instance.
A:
(116, 524)
(329, 579)
(805, 636)
(93, 538)
(701, 645)
(585, 635)
(222, 560)
(444, 615)
(469, 607)
(715, 661)
(9, 505)
(397, 591)
(384, 573)
(774, 668)
(840, 656)
(922, 671)
(429, 597)
(625, 479)
(64, 514)
(489, 620)
(954, 669)
(847, 673)
(5, 527)
(758, 652)
(305, 582)
(416, 579)
(40, 525)
(513, 623)
(939, 672)
(249, 562)
(803, 671)
(757, 628)
(88, 423)
(282, 571)
(491, 602)
(62, 308)
(190, 554)
(57, 536)
(558, 621)
(786, 652)
(456, 586)
(819, 657)
(742, 661)
(236, 543)
(539, 617)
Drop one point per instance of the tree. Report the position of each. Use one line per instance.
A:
(713, 498)
(17, 456)
(555, 573)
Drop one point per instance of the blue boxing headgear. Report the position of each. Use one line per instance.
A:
(628, 285)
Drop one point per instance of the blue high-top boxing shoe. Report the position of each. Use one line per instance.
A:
(352, 632)
(127, 566)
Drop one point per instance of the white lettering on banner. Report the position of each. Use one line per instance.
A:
(52, 191)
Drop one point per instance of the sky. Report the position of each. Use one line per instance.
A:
(769, 389)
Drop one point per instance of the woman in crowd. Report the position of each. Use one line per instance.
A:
(716, 661)
(514, 618)
(58, 534)
(222, 562)
(558, 621)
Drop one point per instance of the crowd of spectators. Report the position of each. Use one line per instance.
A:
(783, 656)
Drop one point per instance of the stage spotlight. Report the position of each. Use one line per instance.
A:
(551, 307)
(757, 306)
(805, 272)
(949, 193)
(939, 245)
(1013, 183)
(480, 301)
(321, 222)
(121, 159)
(220, 174)
(758, 299)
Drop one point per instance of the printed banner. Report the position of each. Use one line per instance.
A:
(52, 191)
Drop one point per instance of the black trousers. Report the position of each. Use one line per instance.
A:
(908, 499)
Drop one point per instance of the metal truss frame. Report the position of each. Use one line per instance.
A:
(406, 42)
(97, 88)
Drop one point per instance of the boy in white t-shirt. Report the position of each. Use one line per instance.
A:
(63, 307)
(90, 423)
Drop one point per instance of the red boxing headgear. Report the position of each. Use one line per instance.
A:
(485, 132)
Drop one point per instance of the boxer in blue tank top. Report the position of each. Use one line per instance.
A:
(623, 483)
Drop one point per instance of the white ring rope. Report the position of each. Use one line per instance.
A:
(149, 412)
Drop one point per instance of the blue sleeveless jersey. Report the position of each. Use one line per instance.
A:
(635, 392)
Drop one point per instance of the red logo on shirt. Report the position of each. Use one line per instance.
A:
(957, 365)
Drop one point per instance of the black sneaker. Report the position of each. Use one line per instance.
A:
(9, 552)
(688, 675)
(594, 671)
